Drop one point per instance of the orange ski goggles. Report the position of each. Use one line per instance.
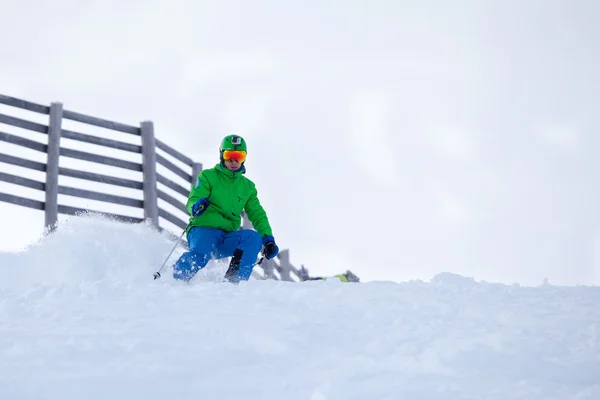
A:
(234, 155)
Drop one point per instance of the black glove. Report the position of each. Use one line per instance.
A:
(271, 249)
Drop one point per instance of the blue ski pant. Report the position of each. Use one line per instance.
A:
(207, 243)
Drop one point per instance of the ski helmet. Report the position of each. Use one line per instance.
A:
(233, 142)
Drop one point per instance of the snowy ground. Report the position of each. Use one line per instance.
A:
(81, 318)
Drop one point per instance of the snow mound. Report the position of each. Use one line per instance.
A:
(81, 317)
(89, 248)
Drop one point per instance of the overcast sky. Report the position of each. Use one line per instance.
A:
(396, 139)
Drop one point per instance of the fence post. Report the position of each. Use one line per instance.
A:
(284, 265)
(149, 171)
(53, 154)
(196, 169)
(268, 267)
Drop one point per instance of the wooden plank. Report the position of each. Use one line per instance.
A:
(276, 272)
(102, 123)
(149, 158)
(25, 105)
(17, 180)
(21, 141)
(268, 275)
(108, 198)
(295, 271)
(114, 162)
(285, 267)
(23, 123)
(196, 170)
(174, 153)
(53, 150)
(172, 201)
(171, 218)
(77, 211)
(21, 162)
(90, 176)
(21, 201)
(114, 144)
(173, 168)
(172, 185)
(256, 275)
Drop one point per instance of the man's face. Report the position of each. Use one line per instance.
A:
(232, 165)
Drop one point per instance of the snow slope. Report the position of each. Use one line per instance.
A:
(81, 318)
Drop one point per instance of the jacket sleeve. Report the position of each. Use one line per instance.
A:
(200, 190)
(257, 215)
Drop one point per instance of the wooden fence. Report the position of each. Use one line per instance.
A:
(279, 268)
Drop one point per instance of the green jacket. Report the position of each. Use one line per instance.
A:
(229, 194)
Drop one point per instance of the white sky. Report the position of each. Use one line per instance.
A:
(395, 139)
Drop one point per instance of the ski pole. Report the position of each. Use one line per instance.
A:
(157, 273)
(261, 259)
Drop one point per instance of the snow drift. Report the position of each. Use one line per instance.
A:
(81, 317)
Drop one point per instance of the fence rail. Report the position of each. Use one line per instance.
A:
(281, 268)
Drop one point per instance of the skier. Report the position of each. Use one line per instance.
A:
(215, 204)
